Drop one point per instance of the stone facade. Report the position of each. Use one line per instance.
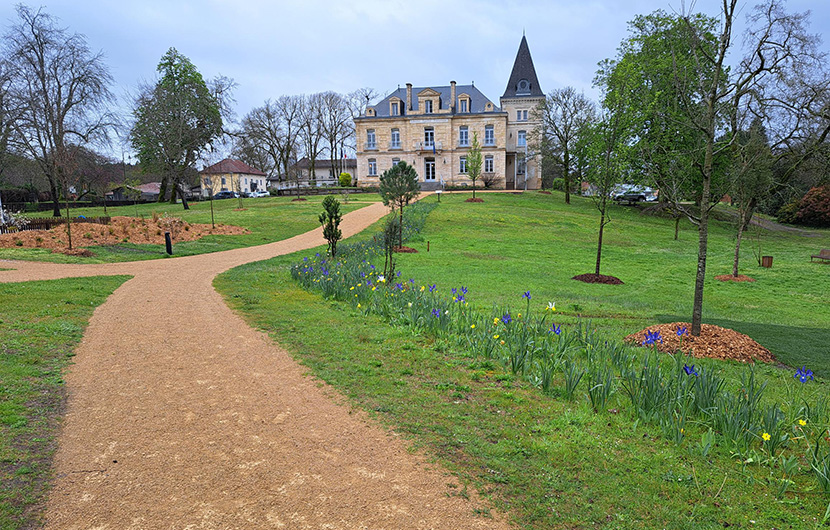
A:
(432, 129)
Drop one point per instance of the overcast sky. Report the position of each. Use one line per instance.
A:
(271, 48)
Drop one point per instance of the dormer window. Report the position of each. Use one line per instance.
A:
(428, 106)
(523, 88)
(462, 106)
(393, 111)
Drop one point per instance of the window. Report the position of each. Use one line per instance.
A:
(370, 139)
(521, 138)
(429, 169)
(463, 137)
(521, 164)
(246, 181)
(394, 111)
(523, 88)
(428, 106)
(396, 139)
(223, 181)
(462, 166)
(429, 137)
(462, 105)
(489, 135)
(373, 167)
(488, 164)
(396, 161)
(521, 115)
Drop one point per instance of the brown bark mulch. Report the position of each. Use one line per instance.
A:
(714, 342)
(405, 250)
(120, 230)
(730, 278)
(598, 278)
(474, 200)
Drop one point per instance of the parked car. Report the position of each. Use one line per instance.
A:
(225, 194)
(632, 194)
(260, 193)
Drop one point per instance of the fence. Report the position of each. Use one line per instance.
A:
(46, 223)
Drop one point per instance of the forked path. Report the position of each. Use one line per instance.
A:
(181, 416)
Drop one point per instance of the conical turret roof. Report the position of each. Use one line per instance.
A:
(523, 81)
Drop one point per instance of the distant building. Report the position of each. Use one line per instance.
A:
(324, 173)
(231, 175)
(432, 129)
(144, 192)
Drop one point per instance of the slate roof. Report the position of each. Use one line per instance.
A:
(523, 69)
(231, 166)
(324, 163)
(477, 103)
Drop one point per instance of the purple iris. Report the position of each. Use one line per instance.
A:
(526, 295)
(803, 373)
(682, 331)
(432, 288)
(436, 313)
(556, 329)
(690, 370)
(464, 290)
(506, 318)
(652, 337)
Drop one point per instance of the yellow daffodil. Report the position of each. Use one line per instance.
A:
(358, 305)
(519, 315)
(422, 288)
(802, 422)
(766, 436)
(351, 288)
(373, 287)
(473, 326)
(496, 336)
(495, 321)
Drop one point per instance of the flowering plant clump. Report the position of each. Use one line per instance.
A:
(803, 373)
(652, 337)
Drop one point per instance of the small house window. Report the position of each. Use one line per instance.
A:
(463, 105)
(521, 138)
(462, 167)
(373, 167)
(395, 143)
(223, 181)
(370, 139)
(428, 106)
(394, 111)
(396, 161)
(488, 164)
(489, 135)
(463, 137)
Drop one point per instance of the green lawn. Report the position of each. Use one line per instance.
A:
(550, 462)
(269, 219)
(40, 324)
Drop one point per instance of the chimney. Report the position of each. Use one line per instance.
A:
(409, 96)
(452, 96)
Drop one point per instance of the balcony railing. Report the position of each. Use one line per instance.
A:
(428, 146)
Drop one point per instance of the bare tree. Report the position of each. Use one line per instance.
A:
(564, 114)
(289, 114)
(336, 122)
(61, 90)
(311, 130)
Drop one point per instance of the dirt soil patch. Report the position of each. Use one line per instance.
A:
(598, 278)
(405, 250)
(730, 278)
(120, 230)
(544, 192)
(474, 200)
(714, 342)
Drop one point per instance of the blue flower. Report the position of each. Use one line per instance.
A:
(652, 337)
(690, 370)
(459, 298)
(506, 318)
(436, 313)
(432, 288)
(305, 259)
(412, 281)
(399, 286)
(556, 329)
(803, 373)
(464, 290)
(398, 274)
(454, 290)
(526, 295)
(682, 331)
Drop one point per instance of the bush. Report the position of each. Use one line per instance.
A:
(558, 184)
(345, 179)
(786, 214)
(814, 208)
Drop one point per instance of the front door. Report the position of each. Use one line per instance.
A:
(429, 169)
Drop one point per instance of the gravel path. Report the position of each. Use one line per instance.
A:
(181, 416)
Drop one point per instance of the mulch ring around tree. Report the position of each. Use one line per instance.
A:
(544, 192)
(730, 278)
(714, 342)
(598, 278)
(298, 199)
(474, 200)
(405, 250)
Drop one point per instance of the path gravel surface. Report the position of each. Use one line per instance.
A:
(181, 416)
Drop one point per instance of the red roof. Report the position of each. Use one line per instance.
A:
(231, 166)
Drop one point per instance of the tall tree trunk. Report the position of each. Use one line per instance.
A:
(567, 172)
(163, 189)
(599, 240)
(400, 227)
(676, 226)
(56, 200)
(180, 190)
(744, 217)
(68, 224)
(703, 236)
